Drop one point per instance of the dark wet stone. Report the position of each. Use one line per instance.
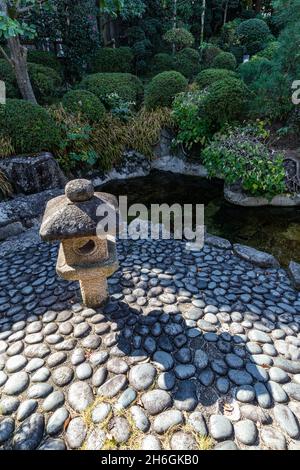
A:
(30, 433)
(7, 427)
(185, 399)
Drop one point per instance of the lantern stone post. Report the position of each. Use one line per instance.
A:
(87, 252)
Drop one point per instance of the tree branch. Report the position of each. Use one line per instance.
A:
(6, 56)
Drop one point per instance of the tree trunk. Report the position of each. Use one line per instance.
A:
(174, 23)
(18, 58)
(258, 5)
(202, 21)
(226, 12)
(18, 61)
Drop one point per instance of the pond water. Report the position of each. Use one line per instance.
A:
(271, 229)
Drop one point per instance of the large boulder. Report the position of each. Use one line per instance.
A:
(33, 174)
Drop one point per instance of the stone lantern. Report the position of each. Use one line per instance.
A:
(86, 253)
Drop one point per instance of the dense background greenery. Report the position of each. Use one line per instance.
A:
(109, 75)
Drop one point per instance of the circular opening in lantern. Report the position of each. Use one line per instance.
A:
(85, 248)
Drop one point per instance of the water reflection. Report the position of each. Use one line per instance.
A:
(271, 229)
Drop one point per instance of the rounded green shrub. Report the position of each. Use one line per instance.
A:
(84, 102)
(128, 87)
(48, 59)
(253, 34)
(226, 100)
(107, 59)
(7, 75)
(225, 60)
(162, 62)
(187, 62)
(209, 76)
(181, 37)
(46, 83)
(29, 126)
(163, 88)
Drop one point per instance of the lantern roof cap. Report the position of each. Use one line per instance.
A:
(78, 213)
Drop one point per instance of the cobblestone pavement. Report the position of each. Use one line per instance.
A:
(195, 350)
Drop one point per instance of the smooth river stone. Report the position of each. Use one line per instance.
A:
(80, 396)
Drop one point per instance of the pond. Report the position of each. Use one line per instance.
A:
(271, 229)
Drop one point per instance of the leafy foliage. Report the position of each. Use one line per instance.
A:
(108, 59)
(241, 156)
(189, 116)
(47, 59)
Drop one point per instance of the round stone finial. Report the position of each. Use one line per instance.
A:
(79, 190)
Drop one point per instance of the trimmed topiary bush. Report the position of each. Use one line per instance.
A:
(47, 59)
(162, 62)
(253, 34)
(128, 87)
(163, 88)
(7, 75)
(181, 37)
(225, 60)
(226, 101)
(46, 83)
(85, 103)
(209, 76)
(29, 126)
(187, 62)
(108, 59)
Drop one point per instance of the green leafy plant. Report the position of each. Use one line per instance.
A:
(163, 88)
(119, 107)
(241, 156)
(189, 117)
